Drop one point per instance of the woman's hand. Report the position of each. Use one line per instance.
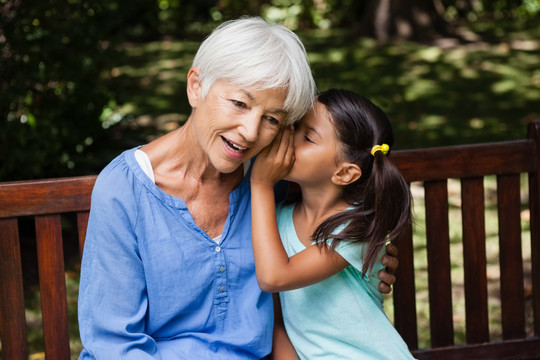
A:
(276, 160)
(387, 276)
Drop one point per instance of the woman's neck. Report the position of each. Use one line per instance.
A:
(179, 152)
(179, 163)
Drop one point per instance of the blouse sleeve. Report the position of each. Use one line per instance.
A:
(112, 295)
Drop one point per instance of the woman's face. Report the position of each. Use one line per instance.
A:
(233, 124)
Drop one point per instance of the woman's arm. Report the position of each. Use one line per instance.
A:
(282, 348)
(275, 270)
(112, 300)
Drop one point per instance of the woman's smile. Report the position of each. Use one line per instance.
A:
(235, 150)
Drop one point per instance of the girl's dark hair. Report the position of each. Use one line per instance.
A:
(381, 198)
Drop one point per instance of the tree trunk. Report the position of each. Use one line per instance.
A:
(420, 20)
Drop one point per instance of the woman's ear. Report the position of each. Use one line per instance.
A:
(346, 174)
(194, 88)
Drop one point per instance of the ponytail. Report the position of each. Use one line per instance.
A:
(391, 206)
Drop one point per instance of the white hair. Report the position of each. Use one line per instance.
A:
(253, 53)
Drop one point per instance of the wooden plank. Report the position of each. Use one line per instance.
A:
(82, 224)
(49, 196)
(474, 260)
(438, 251)
(508, 350)
(404, 293)
(510, 257)
(458, 162)
(53, 287)
(534, 204)
(12, 317)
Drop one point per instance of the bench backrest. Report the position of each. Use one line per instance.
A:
(470, 164)
(46, 200)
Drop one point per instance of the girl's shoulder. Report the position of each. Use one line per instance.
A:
(355, 252)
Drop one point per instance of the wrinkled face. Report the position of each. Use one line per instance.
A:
(233, 123)
(316, 148)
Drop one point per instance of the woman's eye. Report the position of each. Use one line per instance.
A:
(272, 120)
(307, 139)
(239, 104)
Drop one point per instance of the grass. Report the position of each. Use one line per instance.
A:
(475, 92)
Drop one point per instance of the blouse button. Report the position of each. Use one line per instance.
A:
(222, 288)
(218, 249)
(222, 268)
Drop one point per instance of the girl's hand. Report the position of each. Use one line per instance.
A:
(276, 160)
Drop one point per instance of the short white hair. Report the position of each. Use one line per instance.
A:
(253, 53)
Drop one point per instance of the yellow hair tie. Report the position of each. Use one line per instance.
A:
(384, 148)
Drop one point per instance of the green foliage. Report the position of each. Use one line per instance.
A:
(64, 64)
(465, 93)
(53, 56)
(475, 92)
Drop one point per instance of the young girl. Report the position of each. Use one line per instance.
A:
(325, 257)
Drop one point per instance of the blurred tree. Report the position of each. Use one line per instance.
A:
(404, 19)
(229, 9)
(53, 54)
(180, 18)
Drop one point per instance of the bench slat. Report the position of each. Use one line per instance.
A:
(53, 286)
(474, 260)
(82, 223)
(12, 317)
(404, 291)
(534, 203)
(507, 350)
(20, 198)
(465, 160)
(438, 251)
(510, 257)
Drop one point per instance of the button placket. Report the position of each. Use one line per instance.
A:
(221, 275)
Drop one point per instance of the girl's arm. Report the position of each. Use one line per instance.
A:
(282, 348)
(275, 270)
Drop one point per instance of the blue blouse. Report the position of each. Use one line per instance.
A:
(155, 286)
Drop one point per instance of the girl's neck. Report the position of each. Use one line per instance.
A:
(314, 207)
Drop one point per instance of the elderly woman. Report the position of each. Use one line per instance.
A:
(168, 270)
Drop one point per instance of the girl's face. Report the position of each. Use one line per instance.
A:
(233, 124)
(316, 149)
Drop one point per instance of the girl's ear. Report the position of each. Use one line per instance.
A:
(346, 174)
(194, 89)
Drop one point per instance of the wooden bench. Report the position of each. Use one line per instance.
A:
(430, 168)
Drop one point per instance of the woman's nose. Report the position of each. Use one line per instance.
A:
(249, 127)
